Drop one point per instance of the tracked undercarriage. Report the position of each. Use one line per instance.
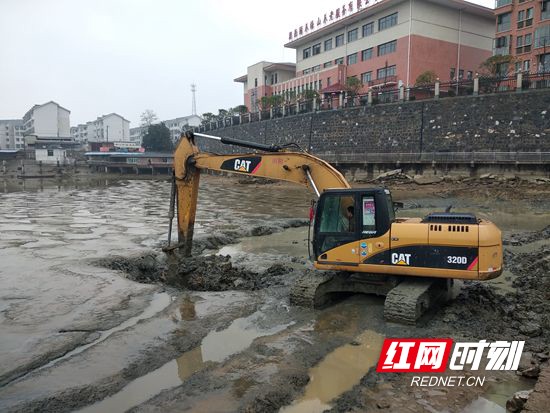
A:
(406, 299)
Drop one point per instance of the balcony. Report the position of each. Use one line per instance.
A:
(503, 27)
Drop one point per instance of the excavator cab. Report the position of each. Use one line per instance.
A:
(348, 220)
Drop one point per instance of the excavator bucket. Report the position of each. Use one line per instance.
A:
(187, 194)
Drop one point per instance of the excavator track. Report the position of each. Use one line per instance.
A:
(307, 291)
(407, 302)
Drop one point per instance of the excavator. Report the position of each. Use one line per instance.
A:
(358, 243)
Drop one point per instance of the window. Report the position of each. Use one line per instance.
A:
(339, 40)
(316, 48)
(369, 215)
(352, 59)
(525, 18)
(387, 22)
(366, 54)
(545, 10)
(542, 36)
(50, 152)
(527, 43)
(366, 77)
(256, 82)
(387, 48)
(452, 73)
(503, 22)
(307, 52)
(368, 29)
(306, 71)
(470, 75)
(328, 44)
(327, 64)
(352, 35)
(526, 65)
(328, 81)
(386, 72)
(339, 61)
(316, 68)
(461, 74)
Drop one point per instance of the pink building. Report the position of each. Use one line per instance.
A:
(383, 43)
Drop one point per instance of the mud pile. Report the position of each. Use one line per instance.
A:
(520, 315)
(527, 237)
(199, 273)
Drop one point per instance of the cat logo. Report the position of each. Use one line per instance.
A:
(242, 165)
(400, 259)
(247, 165)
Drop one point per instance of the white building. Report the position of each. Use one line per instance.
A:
(51, 155)
(47, 121)
(80, 133)
(108, 128)
(137, 133)
(11, 134)
(178, 124)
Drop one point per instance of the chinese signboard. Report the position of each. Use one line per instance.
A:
(331, 17)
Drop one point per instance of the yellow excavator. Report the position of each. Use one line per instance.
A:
(356, 235)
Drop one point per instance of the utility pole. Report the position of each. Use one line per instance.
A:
(194, 101)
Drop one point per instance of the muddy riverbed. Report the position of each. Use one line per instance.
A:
(95, 318)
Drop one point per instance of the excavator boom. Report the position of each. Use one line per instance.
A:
(278, 163)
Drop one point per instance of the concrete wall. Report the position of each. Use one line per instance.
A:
(501, 122)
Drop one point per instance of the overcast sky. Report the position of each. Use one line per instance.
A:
(100, 56)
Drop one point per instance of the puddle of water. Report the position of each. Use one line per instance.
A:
(337, 373)
(215, 347)
(497, 394)
(291, 241)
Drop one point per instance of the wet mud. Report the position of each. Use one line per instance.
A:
(215, 332)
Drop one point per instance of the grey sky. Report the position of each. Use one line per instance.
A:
(124, 56)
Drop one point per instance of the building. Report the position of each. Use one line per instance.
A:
(11, 134)
(137, 133)
(108, 128)
(523, 31)
(48, 121)
(384, 43)
(260, 79)
(80, 133)
(178, 124)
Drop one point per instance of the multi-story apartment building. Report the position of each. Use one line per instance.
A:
(80, 133)
(175, 125)
(523, 31)
(48, 121)
(137, 133)
(108, 128)
(178, 124)
(384, 43)
(11, 134)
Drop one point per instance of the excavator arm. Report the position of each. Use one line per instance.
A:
(272, 162)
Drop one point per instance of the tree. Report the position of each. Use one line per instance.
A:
(207, 118)
(498, 66)
(309, 94)
(158, 139)
(353, 85)
(148, 117)
(241, 109)
(426, 78)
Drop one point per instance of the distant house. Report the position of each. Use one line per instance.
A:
(48, 121)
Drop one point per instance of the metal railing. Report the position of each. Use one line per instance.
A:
(385, 95)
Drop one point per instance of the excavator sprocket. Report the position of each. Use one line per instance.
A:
(407, 302)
